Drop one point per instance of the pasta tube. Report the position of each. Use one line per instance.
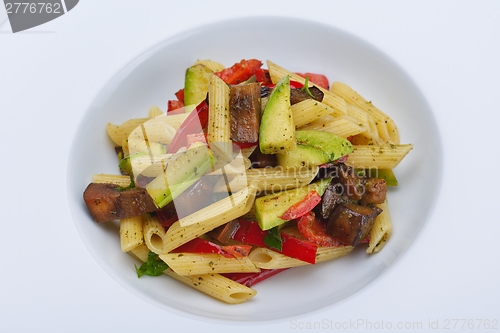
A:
(380, 157)
(131, 234)
(381, 230)
(214, 285)
(194, 263)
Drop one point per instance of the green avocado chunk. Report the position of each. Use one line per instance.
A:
(314, 148)
(196, 84)
(277, 129)
(180, 174)
(333, 145)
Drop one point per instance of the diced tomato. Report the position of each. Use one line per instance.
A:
(318, 79)
(242, 71)
(238, 251)
(175, 107)
(180, 95)
(250, 279)
(315, 231)
(302, 207)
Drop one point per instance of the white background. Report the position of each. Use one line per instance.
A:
(51, 73)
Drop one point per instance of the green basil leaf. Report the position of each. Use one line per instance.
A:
(153, 267)
(273, 238)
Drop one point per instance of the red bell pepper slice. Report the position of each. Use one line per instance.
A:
(318, 79)
(194, 123)
(202, 246)
(299, 249)
(242, 71)
(249, 232)
(250, 279)
(302, 207)
(315, 231)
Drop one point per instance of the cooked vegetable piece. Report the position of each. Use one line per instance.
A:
(196, 84)
(106, 202)
(333, 145)
(277, 129)
(350, 223)
(302, 156)
(375, 191)
(180, 174)
(332, 197)
(244, 106)
(298, 95)
(315, 231)
(225, 232)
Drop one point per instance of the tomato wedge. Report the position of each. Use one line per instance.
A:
(318, 79)
(315, 231)
(303, 207)
(242, 71)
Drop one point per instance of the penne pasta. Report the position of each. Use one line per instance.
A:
(308, 111)
(195, 263)
(154, 235)
(266, 258)
(380, 157)
(381, 230)
(155, 111)
(209, 218)
(336, 102)
(120, 180)
(212, 65)
(344, 126)
(386, 127)
(154, 128)
(219, 130)
(131, 233)
(214, 285)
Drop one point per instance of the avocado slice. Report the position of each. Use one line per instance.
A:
(180, 174)
(196, 84)
(277, 129)
(333, 145)
(269, 208)
(314, 148)
(302, 156)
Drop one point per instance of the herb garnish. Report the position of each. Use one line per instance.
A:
(153, 267)
(273, 238)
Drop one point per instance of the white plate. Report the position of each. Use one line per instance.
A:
(300, 46)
